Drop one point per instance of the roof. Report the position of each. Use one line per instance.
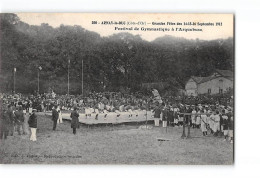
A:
(224, 73)
(205, 79)
(197, 79)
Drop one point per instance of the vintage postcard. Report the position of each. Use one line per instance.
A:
(117, 88)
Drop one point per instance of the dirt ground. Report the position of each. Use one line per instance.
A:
(121, 144)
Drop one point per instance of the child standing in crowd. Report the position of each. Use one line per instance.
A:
(211, 122)
(198, 118)
(208, 120)
(176, 117)
(204, 124)
(181, 117)
(216, 123)
(225, 124)
(193, 117)
(231, 127)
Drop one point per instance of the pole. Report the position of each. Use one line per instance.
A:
(146, 119)
(183, 131)
(68, 77)
(14, 79)
(38, 81)
(82, 85)
(189, 120)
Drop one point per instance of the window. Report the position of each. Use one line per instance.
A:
(220, 91)
(209, 91)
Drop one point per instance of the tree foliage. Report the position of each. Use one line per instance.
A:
(120, 61)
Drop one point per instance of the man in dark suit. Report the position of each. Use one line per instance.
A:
(19, 120)
(74, 120)
(55, 116)
(11, 118)
(4, 123)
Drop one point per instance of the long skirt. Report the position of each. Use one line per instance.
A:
(198, 120)
(203, 127)
(216, 127)
(193, 119)
(176, 121)
(211, 124)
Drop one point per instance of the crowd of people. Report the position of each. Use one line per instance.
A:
(217, 119)
(215, 116)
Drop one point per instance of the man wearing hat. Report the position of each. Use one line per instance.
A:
(10, 116)
(4, 125)
(55, 116)
(74, 120)
(33, 125)
(19, 120)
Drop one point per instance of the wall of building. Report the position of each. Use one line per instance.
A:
(191, 88)
(215, 85)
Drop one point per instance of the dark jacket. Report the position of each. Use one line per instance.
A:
(164, 114)
(74, 119)
(10, 116)
(55, 115)
(32, 121)
(157, 112)
(19, 116)
(231, 122)
(170, 116)
(4, 121)
(225, 122)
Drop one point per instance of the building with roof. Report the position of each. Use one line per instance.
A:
(219, 82)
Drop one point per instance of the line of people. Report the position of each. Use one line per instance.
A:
(15, 119)
(216, 120)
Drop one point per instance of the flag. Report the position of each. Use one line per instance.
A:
(14, 69)
(157, 96)
(121, 69)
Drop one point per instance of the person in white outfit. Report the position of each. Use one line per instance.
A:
(175, 116)
(60, 115)
(198, 118)
(211, 122)
(204, 124)
(33, 125)
(216, 123)
(193, 117)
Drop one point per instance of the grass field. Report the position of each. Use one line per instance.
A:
(121, 144)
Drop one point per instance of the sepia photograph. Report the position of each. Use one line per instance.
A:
(117, 88)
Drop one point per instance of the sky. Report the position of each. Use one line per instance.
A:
(208, 32)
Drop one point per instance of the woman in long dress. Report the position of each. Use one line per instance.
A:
(198, 119)
(204, 124)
